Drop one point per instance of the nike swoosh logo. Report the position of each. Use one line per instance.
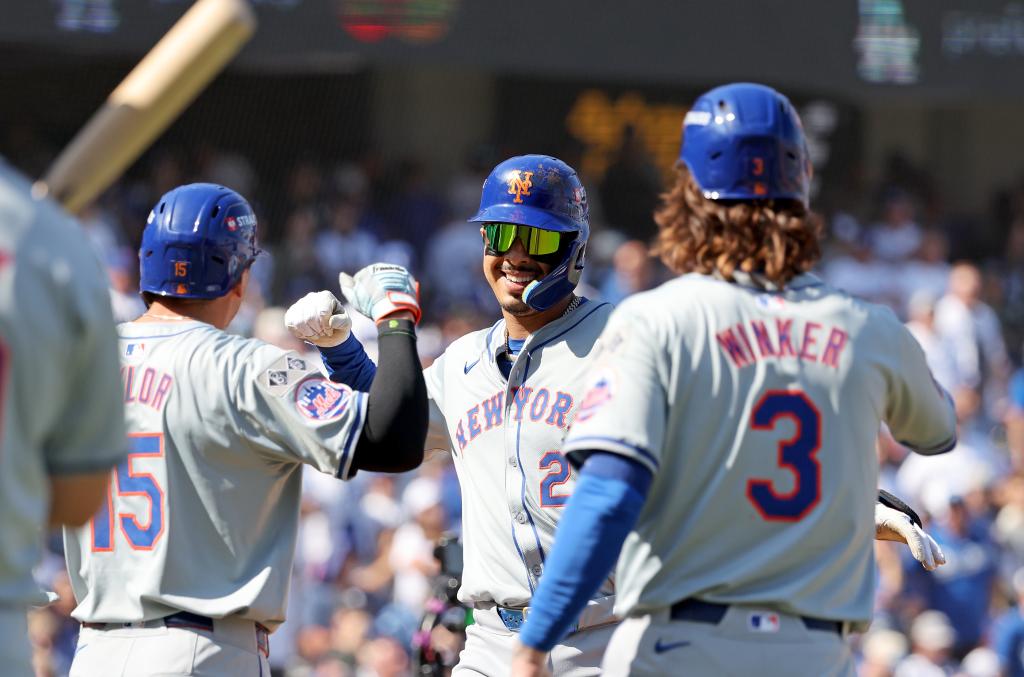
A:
(660, 647)
(470, 365)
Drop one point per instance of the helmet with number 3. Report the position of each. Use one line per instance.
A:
(545, 193)
(199, 240)
(744, 141)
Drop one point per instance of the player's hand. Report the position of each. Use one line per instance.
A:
(893, 525)
(529, 662)
(319, 318)
(382, 289)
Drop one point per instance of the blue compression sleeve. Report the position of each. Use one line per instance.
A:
(602, 511)
(348, 363)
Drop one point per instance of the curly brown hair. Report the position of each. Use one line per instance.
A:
(774, 238)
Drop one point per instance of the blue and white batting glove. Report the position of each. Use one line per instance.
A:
(381, 289)
(319, 318)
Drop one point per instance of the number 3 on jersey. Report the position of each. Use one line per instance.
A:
(141, 531)
(797, 454)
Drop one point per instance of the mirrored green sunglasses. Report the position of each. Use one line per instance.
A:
(501, 237)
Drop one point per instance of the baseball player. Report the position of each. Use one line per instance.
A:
(185, 568)
(501, 400)
(726, 442)
(61, 415)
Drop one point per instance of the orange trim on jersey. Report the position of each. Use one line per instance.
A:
(110, 519)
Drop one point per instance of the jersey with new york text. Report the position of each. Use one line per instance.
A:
(203, 515)
(506, 438)
(758, 413)
(60, 404)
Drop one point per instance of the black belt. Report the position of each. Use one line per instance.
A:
(181, 619)
(709, 612)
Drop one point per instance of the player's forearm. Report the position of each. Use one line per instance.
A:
(348, 363)
(602, 511)
(396, 415)
(76, 498)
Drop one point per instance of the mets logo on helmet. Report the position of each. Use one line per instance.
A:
(322, 400)
(519, 185)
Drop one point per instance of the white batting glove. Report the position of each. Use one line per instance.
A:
(318, 318)
(893, 525)
(380, 289)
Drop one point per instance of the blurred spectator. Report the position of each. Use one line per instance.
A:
(962, 589)
(932, 637)
(1008, 633)
(343, 246)
(415, 212)
(980, 662)
(296, 271)
(632, 271)
(304, 184)
(227, 169)
(854, 269)
(102, 231)
(927, 272)
(453, 267)
(412, 552)
(937, 350)
(383, 657)
(350, 629)
(972, 329)
(897, 236)
(1008, 526)
(125, 301)
(883, 650)
(1014, 419)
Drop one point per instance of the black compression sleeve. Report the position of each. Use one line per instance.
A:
(396, 412)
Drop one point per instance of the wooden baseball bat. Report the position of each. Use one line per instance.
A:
(157, 90)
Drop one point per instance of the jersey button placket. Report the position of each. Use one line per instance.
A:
(521, 530)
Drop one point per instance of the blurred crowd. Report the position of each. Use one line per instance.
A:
(365, 571)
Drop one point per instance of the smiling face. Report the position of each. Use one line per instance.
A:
(510, 273)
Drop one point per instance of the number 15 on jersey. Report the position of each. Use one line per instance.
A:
(135, 499)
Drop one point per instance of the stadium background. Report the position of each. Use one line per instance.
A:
(362, 130)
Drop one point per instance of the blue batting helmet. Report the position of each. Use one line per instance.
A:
(745, 142)
(198, 241)
(543, 192)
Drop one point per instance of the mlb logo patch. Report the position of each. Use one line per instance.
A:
(763, 622)
(136, 350)
(596, 397)
(318, 399)
(771, 301)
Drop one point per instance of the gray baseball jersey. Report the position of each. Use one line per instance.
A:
(506, 439)
(203, 515)
(757, 413)
(60, 407)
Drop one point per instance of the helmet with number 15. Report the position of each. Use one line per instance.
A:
(199, 240)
